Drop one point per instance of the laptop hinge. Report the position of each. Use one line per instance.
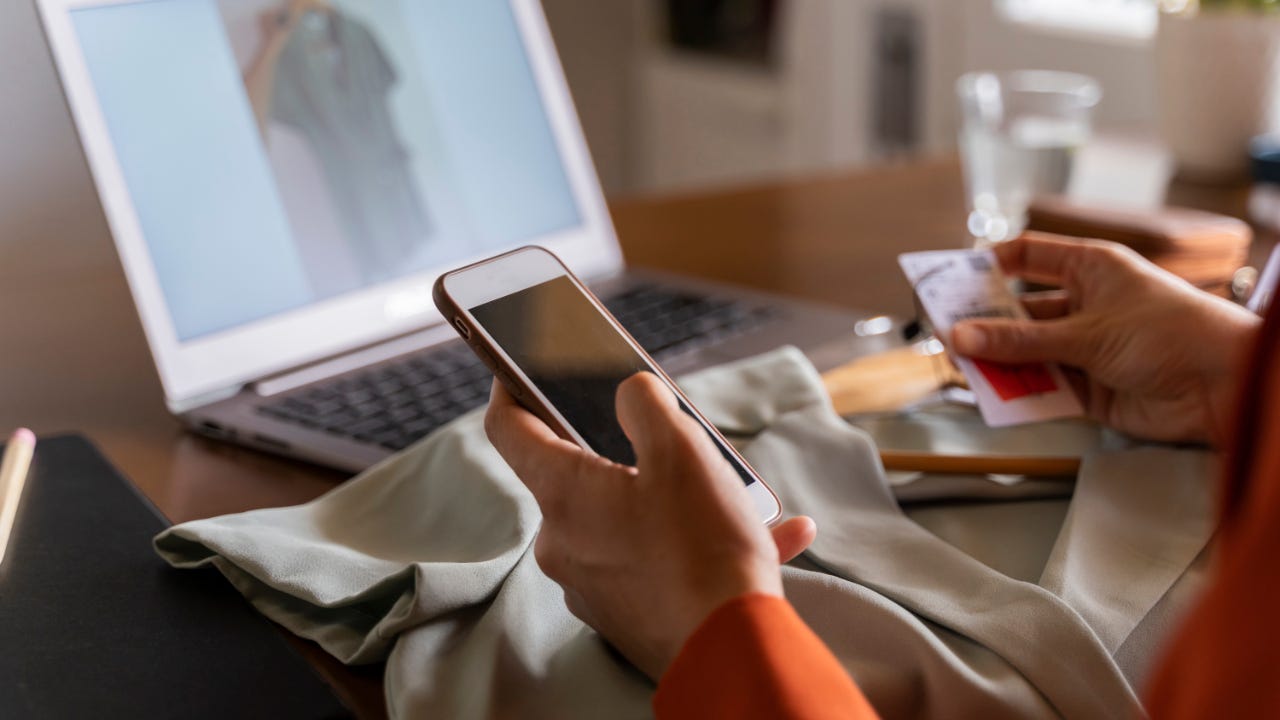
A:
(296, 378)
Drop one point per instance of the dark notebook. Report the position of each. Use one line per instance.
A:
(94, 624)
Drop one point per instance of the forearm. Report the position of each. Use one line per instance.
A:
(1222, 662)
(753, 657)
(259, 80)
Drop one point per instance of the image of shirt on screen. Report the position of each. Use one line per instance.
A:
(325, 75)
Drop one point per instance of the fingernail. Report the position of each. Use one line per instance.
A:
(968, 340)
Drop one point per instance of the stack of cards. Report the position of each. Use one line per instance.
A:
(955, 285)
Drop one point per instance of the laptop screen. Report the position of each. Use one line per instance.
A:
(279, 153)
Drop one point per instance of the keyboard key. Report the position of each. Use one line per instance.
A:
(420, 427)
(399, 443)
(405, 413)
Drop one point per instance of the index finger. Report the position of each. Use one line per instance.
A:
(1046, 304)
(530, 447)
(1042, 258)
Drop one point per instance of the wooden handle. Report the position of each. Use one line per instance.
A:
(888, 381)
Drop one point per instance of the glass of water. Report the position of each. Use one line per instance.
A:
(1019, 133)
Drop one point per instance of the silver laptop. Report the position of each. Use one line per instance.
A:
(285, 179)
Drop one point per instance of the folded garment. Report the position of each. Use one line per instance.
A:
(426, 561)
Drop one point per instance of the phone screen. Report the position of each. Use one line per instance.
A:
(576, 359)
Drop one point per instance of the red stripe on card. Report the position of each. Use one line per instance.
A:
(1017, 381)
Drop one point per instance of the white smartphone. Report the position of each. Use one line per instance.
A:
(562, 355)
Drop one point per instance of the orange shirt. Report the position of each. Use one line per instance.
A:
(755, 658)
(1225, 662)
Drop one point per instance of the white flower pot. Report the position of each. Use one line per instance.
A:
(1219, 86)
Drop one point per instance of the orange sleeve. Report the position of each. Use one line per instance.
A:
(755, 658)
(1225, 662)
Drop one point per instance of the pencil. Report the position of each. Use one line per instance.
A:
(980, 464)
(13, 476)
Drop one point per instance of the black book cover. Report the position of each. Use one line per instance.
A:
(94, 624)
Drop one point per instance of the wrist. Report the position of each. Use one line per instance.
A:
(705, 616)
(707, 595)
(1231, 348)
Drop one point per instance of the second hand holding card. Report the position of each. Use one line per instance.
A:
(955, 285)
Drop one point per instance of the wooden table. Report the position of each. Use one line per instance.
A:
(73, 357)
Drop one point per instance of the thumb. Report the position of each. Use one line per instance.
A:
(794, 536)
(1016, 341)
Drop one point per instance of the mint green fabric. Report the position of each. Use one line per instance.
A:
(1033, 608)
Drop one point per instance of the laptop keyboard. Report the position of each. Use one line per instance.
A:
(396, 403)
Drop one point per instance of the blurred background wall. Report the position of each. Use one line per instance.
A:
(677, 94)
(46, 194)
(680, 94)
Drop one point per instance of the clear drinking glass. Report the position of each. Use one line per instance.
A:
(1019, 133)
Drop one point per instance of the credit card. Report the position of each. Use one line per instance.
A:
(955, 285)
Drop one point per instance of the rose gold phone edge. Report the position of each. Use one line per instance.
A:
(513, 379)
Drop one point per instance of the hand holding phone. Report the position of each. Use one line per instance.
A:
(644, 554)
(645, 524)
(562, 355)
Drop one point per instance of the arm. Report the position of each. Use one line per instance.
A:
(1224, 660)
(755, 658)
(1165, 361)
(669, 563)
(260, 78)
